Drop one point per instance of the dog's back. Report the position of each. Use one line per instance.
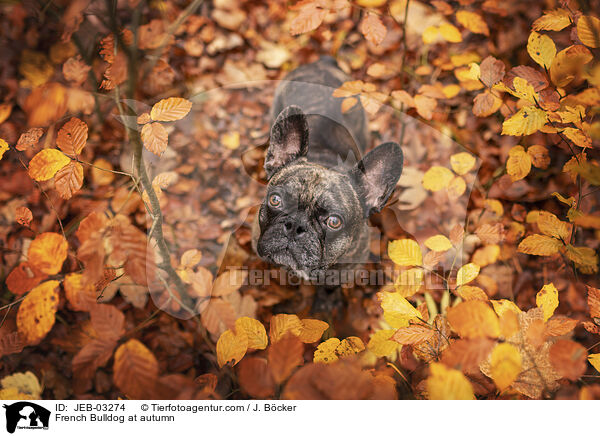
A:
(334, 136)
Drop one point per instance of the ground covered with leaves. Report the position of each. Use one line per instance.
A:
(132, 141)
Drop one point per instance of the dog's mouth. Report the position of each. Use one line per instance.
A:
(285, 257)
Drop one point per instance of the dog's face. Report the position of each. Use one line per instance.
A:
(313, 216)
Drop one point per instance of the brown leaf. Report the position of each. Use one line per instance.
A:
(69, 180)
(373, 29)
(492, 71)
(284, 356)
(593, 301)
(108, 321)
(569, 359)
(155, 138)
(309, 18)
(29, 139)
(485, 104)
(23, 216)
(93, 355)
(425, 106)
(255, 378)
(535, 78)
(135, 370)
(11, 343)
(560, 325)
(466, 354)
(413, 334)
(491, 234)
(72, 137)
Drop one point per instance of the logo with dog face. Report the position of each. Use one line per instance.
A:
(26, 415)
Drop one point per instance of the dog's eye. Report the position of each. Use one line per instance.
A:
(274, 200)
(334, 222)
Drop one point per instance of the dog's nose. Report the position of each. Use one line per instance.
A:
(292, 227)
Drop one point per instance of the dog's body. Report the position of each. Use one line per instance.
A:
(320, 192)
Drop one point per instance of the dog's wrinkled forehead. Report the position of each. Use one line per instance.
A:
(312, 184)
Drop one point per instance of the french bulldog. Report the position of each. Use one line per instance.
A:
(320, 192)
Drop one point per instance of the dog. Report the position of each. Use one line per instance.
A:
(320, 191)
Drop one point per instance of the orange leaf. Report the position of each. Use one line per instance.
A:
(69, 180)
(560, 325)
(284, 356)
(47, 252)
(23, 216)
(231, 347)
(36, 314)
(170, 109)
(569, 359)
(135, 370)
(373, 29)
(155, 138)
(23, 278)
(472, 21)
(413, 334)
(474, 319)
(312, 330)
(72, 137)
(81, 296)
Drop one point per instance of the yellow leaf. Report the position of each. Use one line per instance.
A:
(474, 319)
(578, 137)
(437, 178)
(255, 331)
(518, 164)
(3, 148)
(381, 345)
(474, 71)
(25, 383)
(448, 384)
(231, 140)
(526, 121)
(568, 63)
(371, 3)
(430, 34)
(450, 33)
(467, 273)
(36, 314)
(47, 252)
(588, 30)
(594, 359)
(502, 306)
(283, 323)
(451, 91)
(539, 245)
(505, 365)
(524, 90)
(409, 282)
(472, 21)
(397, 311)
(486, 255)
(462, 162)
(405, 252)
(44, 165)
(582, 256)
(5, 111)
(457, 187)
(495, 206)
(547, 300)
(349, 346)
(312, 330)
(170, 109)
(556, 20)
(325, 352)
(438, 243)
(231, 347)
(467, 293)
(541, 48)
(550, 225)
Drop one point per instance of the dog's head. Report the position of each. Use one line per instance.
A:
(311, 215)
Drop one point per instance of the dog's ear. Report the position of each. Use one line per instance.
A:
(289, 139)
(376, 175)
